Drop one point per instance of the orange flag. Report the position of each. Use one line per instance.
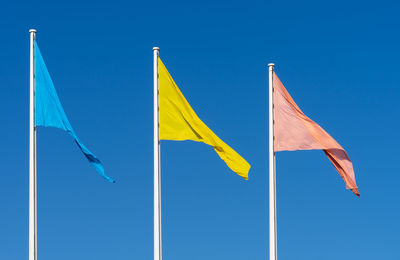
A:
(295, 131)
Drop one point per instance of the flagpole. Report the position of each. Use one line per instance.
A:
(272, 174)
(157, 168)
(32, 155)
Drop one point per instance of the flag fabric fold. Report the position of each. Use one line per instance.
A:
(49, 111)
(295, 131)
(178, 121)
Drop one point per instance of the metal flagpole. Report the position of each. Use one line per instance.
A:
(272, 174)
(157, 168)
(32, 155)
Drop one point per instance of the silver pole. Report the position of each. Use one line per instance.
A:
(273, 254)
(32, 155)
(157, 168)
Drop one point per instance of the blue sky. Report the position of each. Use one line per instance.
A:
(338, 59)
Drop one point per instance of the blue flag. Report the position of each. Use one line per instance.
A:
(49, 111)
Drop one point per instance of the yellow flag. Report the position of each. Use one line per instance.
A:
(179, 122)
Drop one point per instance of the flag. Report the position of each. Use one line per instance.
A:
(49, 111)
(295, 131)
(178, 121)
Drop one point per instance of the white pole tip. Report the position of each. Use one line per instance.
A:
(271, 64)
(32, 30)
(156, 49)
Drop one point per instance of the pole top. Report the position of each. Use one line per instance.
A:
(271, 64)
(32, 30)
(156, 49)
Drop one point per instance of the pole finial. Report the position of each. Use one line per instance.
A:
(271, 64)
(156, 49)
(32, 30)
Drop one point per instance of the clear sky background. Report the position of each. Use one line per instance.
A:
(338, 59)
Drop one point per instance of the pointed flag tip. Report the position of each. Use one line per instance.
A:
(356, 192)
(109, 179)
